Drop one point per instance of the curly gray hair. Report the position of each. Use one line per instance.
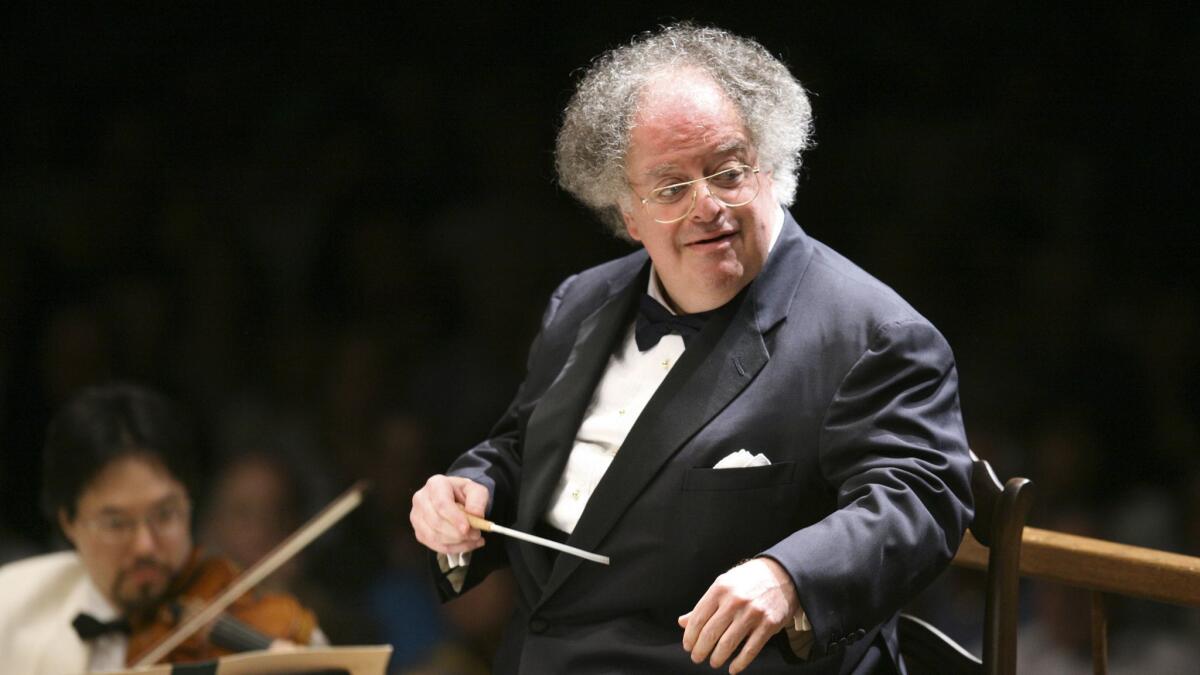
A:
(594, 138)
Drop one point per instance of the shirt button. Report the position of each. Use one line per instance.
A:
(538, 625)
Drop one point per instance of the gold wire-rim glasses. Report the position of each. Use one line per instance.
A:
(651, 199)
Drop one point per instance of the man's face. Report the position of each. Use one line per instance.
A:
(131, 529)
(687, 128)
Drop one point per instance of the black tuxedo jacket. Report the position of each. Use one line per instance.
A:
(829, 373)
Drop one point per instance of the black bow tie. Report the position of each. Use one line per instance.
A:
(90, 628)
(655, 321)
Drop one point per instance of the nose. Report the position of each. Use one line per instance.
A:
(707, 206)
(144, 540)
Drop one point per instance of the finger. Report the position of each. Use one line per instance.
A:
(447, 541)
(449, 534)
(472, 498)
(469, 497)
(463, 547)
(444, 498)
(475, 498)
(466, 495)
(750, 650)
(683, 620)
(708, 605)
(729, 641)
(710, 633)
(282, 645)
(419, 517)
(697, 618)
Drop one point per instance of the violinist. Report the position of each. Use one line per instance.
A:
(119, 472)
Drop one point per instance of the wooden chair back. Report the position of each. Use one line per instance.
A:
(1000, 514)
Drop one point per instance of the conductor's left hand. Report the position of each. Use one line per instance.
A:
(750, 602)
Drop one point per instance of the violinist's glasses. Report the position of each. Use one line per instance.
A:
(732, 187)
(165, 521)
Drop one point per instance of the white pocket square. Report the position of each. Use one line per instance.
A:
(741, 459)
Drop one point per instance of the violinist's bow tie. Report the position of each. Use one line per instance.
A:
(90, 628)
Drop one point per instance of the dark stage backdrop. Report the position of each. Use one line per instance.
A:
(331, 232)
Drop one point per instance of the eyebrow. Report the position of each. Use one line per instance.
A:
(116, 511)
(731, 145)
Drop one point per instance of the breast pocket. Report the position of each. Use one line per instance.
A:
(743, 478)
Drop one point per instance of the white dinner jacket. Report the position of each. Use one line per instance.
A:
(39, 597)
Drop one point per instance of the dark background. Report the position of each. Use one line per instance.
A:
(316, 225)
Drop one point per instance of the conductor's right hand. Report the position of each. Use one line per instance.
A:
(437, 513)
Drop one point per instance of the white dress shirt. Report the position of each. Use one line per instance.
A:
(630, 380)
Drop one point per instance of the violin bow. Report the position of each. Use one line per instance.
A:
(285, 551)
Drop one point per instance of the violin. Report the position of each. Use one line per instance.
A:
(193, 624)
(253, 621)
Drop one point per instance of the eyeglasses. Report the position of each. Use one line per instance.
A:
(164, 521)
(731, 187)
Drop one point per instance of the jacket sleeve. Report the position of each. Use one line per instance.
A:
(893, 448)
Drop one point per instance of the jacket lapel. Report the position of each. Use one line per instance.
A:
(550, 434)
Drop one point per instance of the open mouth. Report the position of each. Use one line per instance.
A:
(715, 239)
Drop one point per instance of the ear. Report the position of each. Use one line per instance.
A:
(631, 226)
(67, 526)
